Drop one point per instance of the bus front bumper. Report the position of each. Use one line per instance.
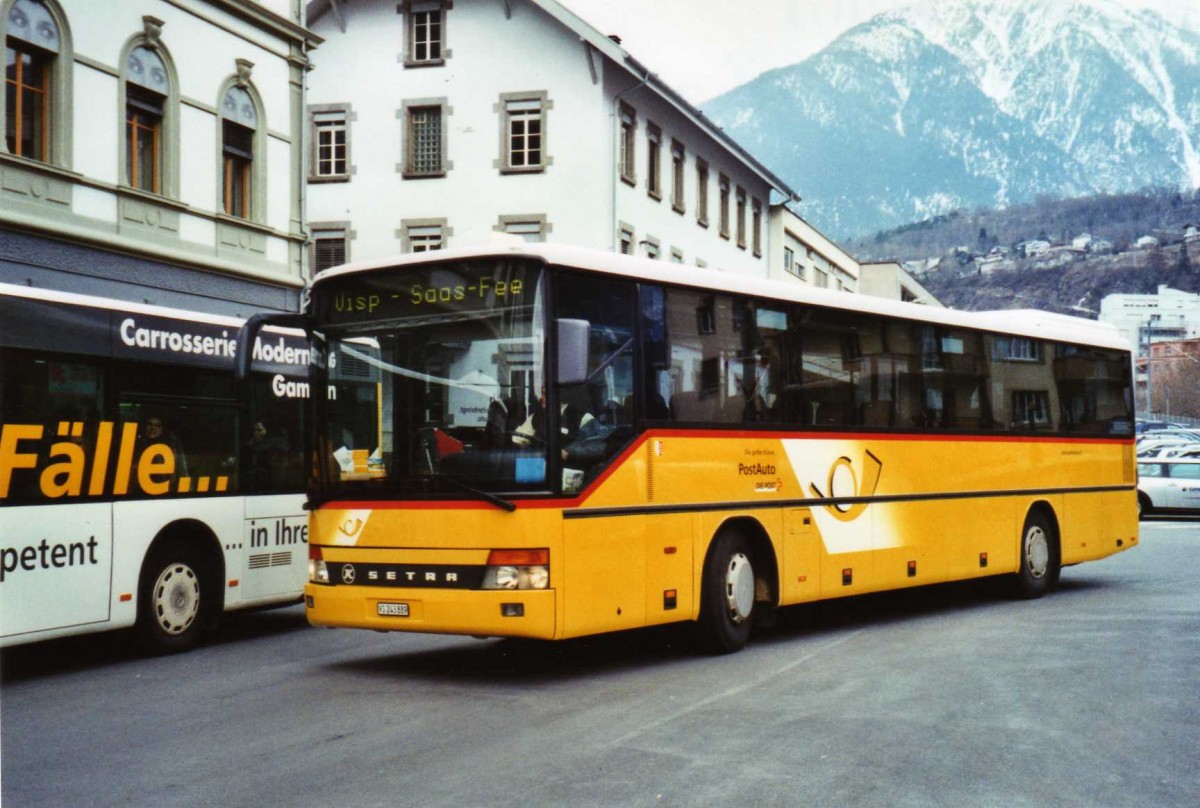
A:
(482, 613)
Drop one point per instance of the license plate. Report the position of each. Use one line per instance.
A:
(393, 609)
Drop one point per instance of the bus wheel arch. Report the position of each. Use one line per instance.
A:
(738, 587)
(1039, 559)
(179, 587)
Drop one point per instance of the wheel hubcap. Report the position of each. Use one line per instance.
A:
(176, 598)
(1037, 552)
(739, 588)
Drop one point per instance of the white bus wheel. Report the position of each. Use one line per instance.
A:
(173, 599)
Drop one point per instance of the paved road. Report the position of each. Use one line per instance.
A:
(947, 696)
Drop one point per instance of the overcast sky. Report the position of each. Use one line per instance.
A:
(704, 47)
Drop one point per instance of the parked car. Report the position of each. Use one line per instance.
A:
(1168, 484)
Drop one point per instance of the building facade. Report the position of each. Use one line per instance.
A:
(802, 253)
(154, 150)
(1166, 316)
(440, 124)
(888, 279)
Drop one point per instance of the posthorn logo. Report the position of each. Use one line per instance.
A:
(347, 573)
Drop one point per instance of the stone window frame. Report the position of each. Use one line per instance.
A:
(653, 247)
(504, 221)
(628, 150)
(504, 162)
(405, 232)
(404, 114)
(654, 161)
(702, 192)
(409, 9)
(626, 234)
(756, 230)
(336, 113)
(723, 186)
(740, 216)
(678, 163)
(320, 231)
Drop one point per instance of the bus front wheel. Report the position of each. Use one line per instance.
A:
(727, 595)
(173, 598)
(1039, 561)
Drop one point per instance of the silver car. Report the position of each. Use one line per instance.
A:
(1168, 484)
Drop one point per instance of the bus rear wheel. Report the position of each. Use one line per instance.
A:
(727, 595)
(173, 599)
(1039, 560)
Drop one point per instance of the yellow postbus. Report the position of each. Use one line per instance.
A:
(548, 442)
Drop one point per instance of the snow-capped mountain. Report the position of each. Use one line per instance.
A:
(959, 103)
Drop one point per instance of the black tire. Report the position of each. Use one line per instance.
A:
(1144, 507)
(726, 595)
(1039, 560)
(175, 598)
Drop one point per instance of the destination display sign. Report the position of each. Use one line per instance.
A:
(418, 290)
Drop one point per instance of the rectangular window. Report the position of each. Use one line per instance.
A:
(329, 249)
(524, 134)
(423, 238)
(238, 152)
(143, 131)
(741, 218)
(425, 39)
(676, 255)
(1016, 349)
(331, 144)
(425, 142)
(677, 154)
(532, 230)
(789, 260)
(723, 185)
(652, 246)
(654, 161)
(628, 144)
(627, 242)
(27, 95)
(702, 193)
(756, 228)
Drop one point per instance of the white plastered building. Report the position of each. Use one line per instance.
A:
(439, 124)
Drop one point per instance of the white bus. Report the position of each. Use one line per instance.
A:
(141, 484)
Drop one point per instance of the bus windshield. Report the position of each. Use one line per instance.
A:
(433, 377)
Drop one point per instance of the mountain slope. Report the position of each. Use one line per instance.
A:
(976, 102)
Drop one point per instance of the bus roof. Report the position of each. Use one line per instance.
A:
(1022, 322)
(113, 304)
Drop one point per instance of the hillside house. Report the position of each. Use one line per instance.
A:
(1191, 234)
(1035, 247)
(1147, 243)
(439, 124)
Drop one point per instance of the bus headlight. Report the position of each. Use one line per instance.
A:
(318, 573)
(517, 569)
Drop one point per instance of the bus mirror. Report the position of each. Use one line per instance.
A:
(248, 333)
(572, 351)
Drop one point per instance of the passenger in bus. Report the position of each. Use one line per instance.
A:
(266, 457)
(155, 432)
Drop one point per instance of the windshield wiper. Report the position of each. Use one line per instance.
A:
(499, 502)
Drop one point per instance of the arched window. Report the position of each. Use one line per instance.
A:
(32, 44)
(147, 86)
(239, 125)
